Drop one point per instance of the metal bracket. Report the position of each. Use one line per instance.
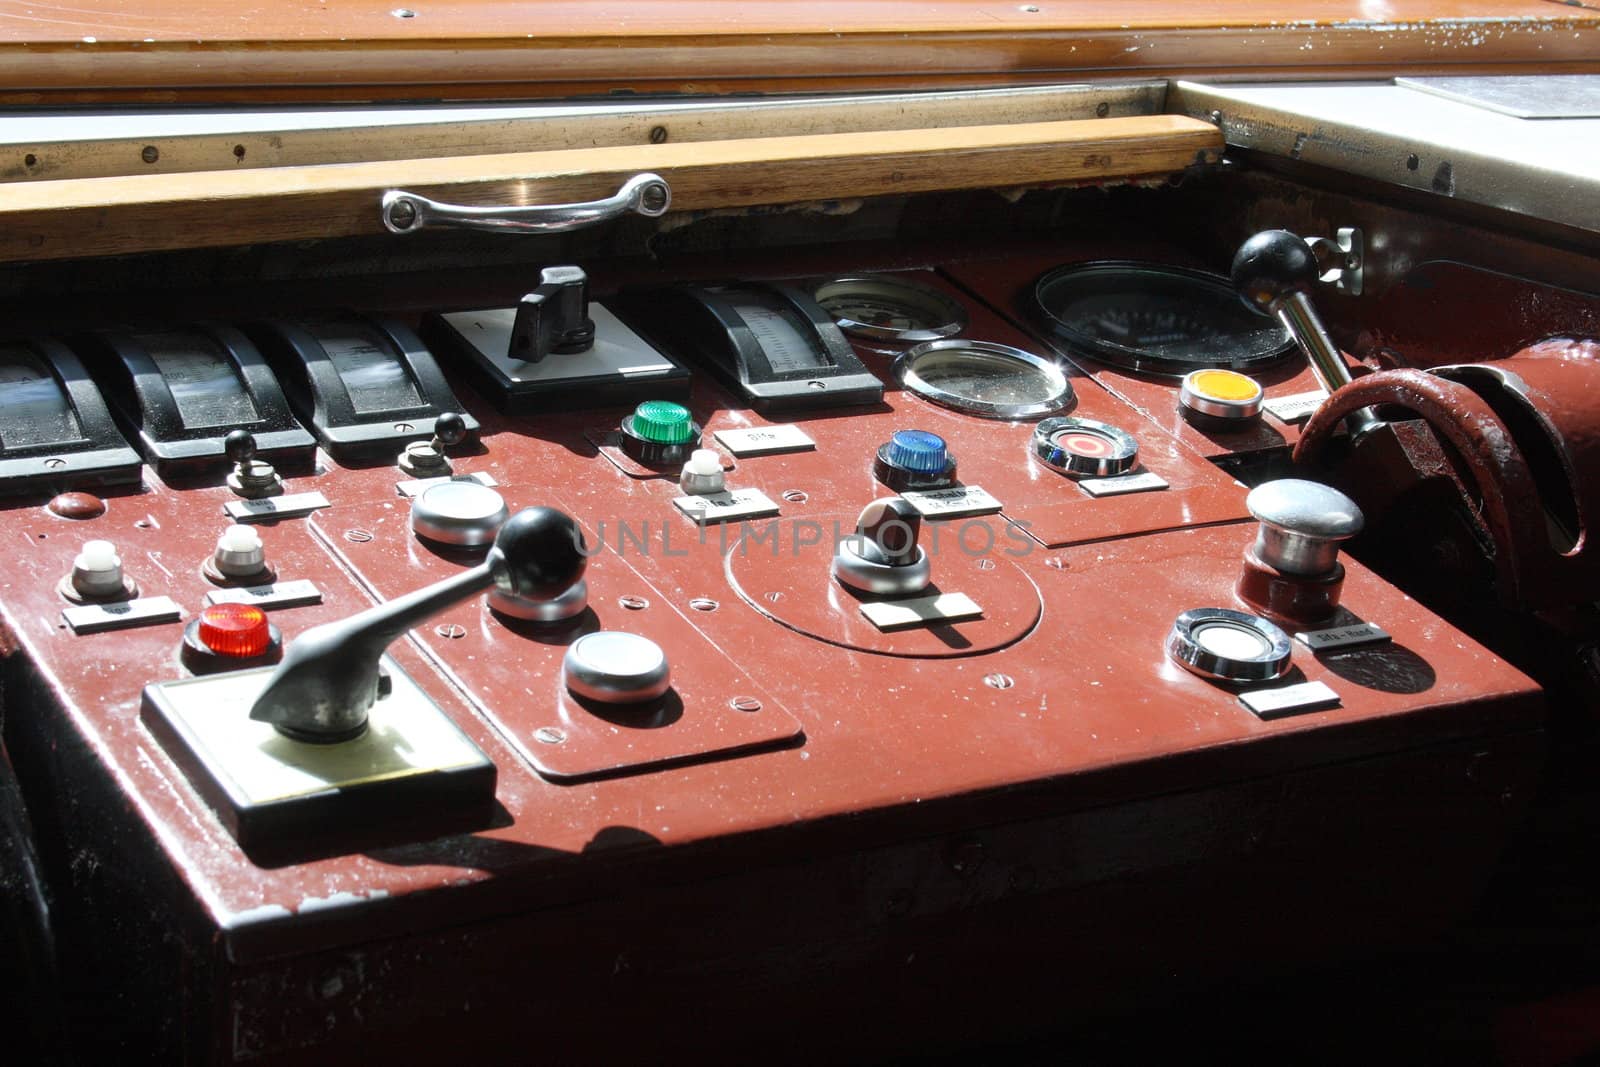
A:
(643, 194)
(1341, 259)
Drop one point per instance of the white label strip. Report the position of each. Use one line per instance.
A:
(764, 440)
(919, 611)
(146, 611)
(276, 595)
(1363, 633)
(727, 506)
(275, 507)
(952, 503)
(1295, 406)
(1289, 699)
(416, 486)
(1144, 482)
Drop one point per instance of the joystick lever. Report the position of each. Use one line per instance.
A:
(554, 317)
(1273, 272)
(329, 677)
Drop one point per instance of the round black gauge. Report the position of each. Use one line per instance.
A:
(887, 308)
(1155, 319)
(983, 378)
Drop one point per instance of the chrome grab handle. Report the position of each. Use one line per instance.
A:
(645, 194)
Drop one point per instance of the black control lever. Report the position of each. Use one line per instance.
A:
(329, 678)
(554, 317)
(888, 530)
(1274, 272)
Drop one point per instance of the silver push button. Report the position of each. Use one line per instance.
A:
(464, 514)
(1302, 525)
(1228, 645)
(616, 668)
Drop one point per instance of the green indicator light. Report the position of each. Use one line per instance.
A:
(662, 422)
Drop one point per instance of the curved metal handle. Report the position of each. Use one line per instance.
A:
(644, 194)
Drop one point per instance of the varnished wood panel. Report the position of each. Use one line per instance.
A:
(142, 213)
(353, 49)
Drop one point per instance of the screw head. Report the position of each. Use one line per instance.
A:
(359, 537)
(999, 681)
(549, 735)
(633, 603)
(452, 630)
(745, 704)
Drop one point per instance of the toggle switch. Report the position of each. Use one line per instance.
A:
(251, 478)
(914, 460)
(883, 556)
(427, 459)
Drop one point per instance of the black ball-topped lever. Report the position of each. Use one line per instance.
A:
(329, 678)
(1274, 273)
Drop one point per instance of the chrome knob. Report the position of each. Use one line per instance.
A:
(1302, 525)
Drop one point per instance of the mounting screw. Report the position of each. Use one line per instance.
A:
(999, 681)
(747, 704)
(402, 214)
(150, 154)
(658, 134)
(549, 735)
(633, 603)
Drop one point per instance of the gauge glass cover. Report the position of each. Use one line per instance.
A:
(1155, 319)
(888, 308)
(983, 378)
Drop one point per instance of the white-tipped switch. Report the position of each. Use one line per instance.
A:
(702, 473)
(97, 570)
(240, 553)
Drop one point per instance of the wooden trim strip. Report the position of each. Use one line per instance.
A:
(146, 213)
(132, 150)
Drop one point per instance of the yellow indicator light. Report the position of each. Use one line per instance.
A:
(1224, 385)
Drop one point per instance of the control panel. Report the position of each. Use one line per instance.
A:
(466, 615)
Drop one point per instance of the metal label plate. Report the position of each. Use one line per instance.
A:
(292, 506)
(1295, 406)
(952, 503)
(122, 615)
(764, 440)
(1143, 482)
(920, 611)
(273, 595)
(727, 506)
(1289, 699)
(1362, 633)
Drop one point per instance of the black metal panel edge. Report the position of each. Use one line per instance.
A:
(321, 397)
(704, 323)
(100, 457)
(143, 401)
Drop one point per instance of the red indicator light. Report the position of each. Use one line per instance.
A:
(235, 630)
(1084, 444)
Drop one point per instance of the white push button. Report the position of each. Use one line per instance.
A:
(240, 553)
(702, 473)
(616, 668)
(97, 571)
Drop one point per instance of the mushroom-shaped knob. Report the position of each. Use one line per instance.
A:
(1271, 266)
(538, 554)
(1302, 525)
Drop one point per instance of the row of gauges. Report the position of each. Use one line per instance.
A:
(363, 386)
